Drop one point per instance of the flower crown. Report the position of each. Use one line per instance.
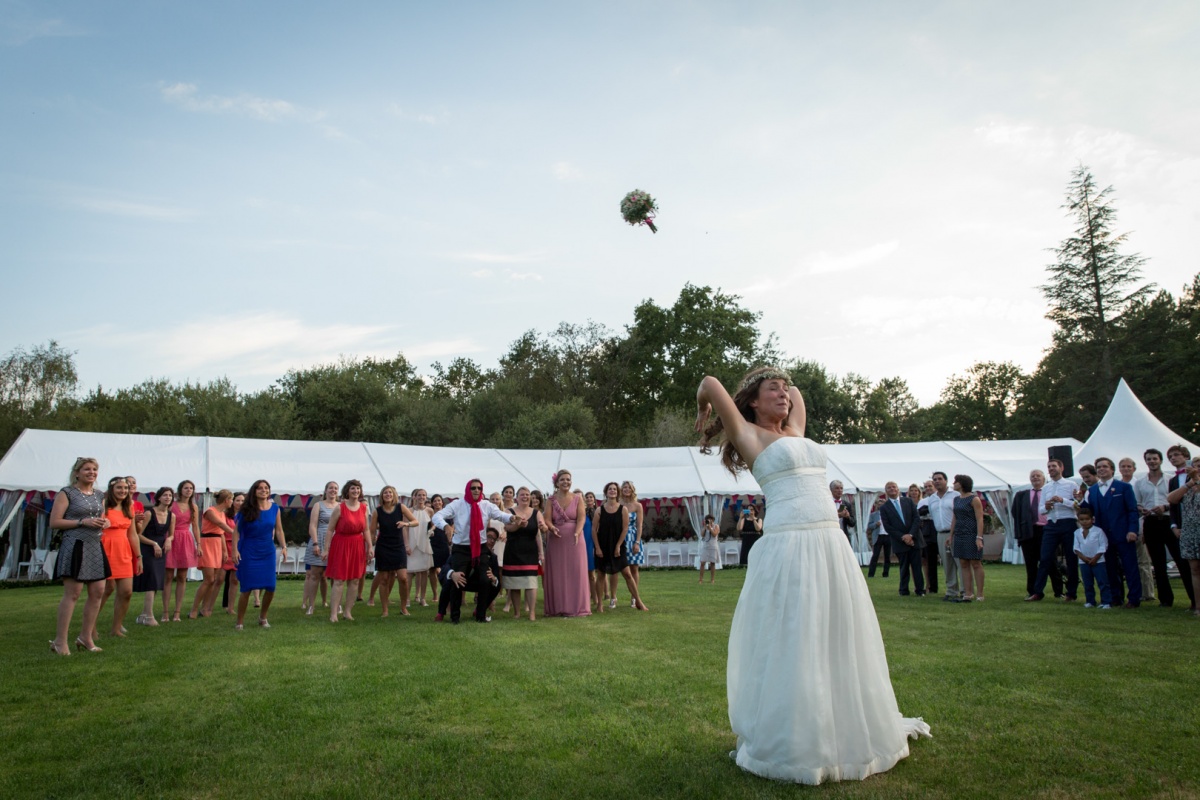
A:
(767, 375)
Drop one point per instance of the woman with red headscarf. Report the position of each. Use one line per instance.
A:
(468, 518)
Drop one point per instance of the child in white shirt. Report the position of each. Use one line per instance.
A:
(1090, 546)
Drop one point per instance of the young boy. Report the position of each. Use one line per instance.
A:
(1090, 544)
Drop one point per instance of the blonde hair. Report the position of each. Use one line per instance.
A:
(221, 496)
(632, 490)
(395, 494)
(79, 462)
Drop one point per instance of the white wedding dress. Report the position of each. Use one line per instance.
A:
(810, 698)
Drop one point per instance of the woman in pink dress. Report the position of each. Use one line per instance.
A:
(185, 542)
(566, 582)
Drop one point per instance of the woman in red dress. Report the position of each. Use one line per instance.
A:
(350, 548)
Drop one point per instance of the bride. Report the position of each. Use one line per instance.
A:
(810, 698)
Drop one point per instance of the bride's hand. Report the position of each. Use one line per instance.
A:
(703, 412)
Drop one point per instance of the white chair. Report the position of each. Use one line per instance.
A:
(693, 556)
(48, 567)
(674, 551)
(733, 553)
(655, 552)
(34, 565)
(295, 557)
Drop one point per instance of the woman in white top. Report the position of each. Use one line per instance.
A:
(420, 551)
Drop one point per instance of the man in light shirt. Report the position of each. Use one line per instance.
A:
(941, 514)
(1058, 496)
(1151, 492)
(1128, 467)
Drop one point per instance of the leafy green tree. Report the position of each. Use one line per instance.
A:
(33, 384)
(1092, 283)
(979, 404)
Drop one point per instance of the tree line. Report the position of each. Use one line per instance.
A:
(587, 386)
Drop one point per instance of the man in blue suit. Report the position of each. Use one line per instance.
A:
(1115, 507)
(900, 520)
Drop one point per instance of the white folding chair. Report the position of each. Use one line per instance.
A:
(295, 557)
(733, 553)
(693, 556)
(34, 565)
(48, 566)
(674, 551)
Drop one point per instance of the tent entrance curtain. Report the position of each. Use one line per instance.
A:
(10, 503)
(999, 500)
(697, 509)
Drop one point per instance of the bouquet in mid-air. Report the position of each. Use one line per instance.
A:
(639, 208)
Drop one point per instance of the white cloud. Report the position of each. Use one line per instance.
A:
(482, 273)
(823, 263)
(522, 276)
(17, 32)
(484, 257)
(186, 96)
(566, 171)
(423, 117)
(129, 208)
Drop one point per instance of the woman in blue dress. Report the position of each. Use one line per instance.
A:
(259, 527)
(589, 501)
(634, 557)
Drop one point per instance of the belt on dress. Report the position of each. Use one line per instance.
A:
(804, 526)
(212, 536)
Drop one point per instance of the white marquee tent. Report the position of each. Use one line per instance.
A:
(38, 462)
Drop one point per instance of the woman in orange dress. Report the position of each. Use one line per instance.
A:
(213, 552)
(120, 542)
(350, 548)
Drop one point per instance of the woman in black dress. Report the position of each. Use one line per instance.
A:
(391, 554)
(610, 523)
(523, 555)
(157, 526)
(750, 527)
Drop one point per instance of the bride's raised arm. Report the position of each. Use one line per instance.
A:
(798, 417)
(712, 396)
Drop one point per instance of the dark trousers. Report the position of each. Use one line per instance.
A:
(477, 581)
(933, 560)
(748, 540)
(883, 543)
(910, 561)
(1160, 540)
(1031, 549)
(1122, 558)
(1061, 532)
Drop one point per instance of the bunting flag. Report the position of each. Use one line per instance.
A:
(658, 504)
(284, 499)
(306, 500)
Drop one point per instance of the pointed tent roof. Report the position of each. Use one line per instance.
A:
(1127, 429)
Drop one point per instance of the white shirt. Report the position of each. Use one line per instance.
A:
(1150, 494)
(941, 510)
(1065, 489)
(458, 514)
(1094, 545)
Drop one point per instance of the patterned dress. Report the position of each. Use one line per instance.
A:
(965, 530)
(631, 538)
(81, 555)
(311, 559)
(1189, 538)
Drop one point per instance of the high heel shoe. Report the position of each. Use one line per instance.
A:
(92, 649)
(54, 649)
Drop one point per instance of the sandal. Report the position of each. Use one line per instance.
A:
(54, 649)
(238, 627)
(92, 649)
(262, 623)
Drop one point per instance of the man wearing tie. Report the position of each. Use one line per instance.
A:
(1029, 520)
(899, 518)
(1115, 506)
(843, 508)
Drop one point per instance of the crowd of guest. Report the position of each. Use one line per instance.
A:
(1117, 536)
(421, 546)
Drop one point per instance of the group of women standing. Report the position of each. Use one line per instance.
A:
(113, 547)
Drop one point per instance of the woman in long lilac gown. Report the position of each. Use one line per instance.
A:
(566, 582)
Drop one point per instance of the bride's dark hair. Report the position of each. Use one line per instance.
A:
(747, 392)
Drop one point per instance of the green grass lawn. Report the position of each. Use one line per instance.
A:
(1025, 700)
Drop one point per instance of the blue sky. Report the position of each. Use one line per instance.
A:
(206, 189)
